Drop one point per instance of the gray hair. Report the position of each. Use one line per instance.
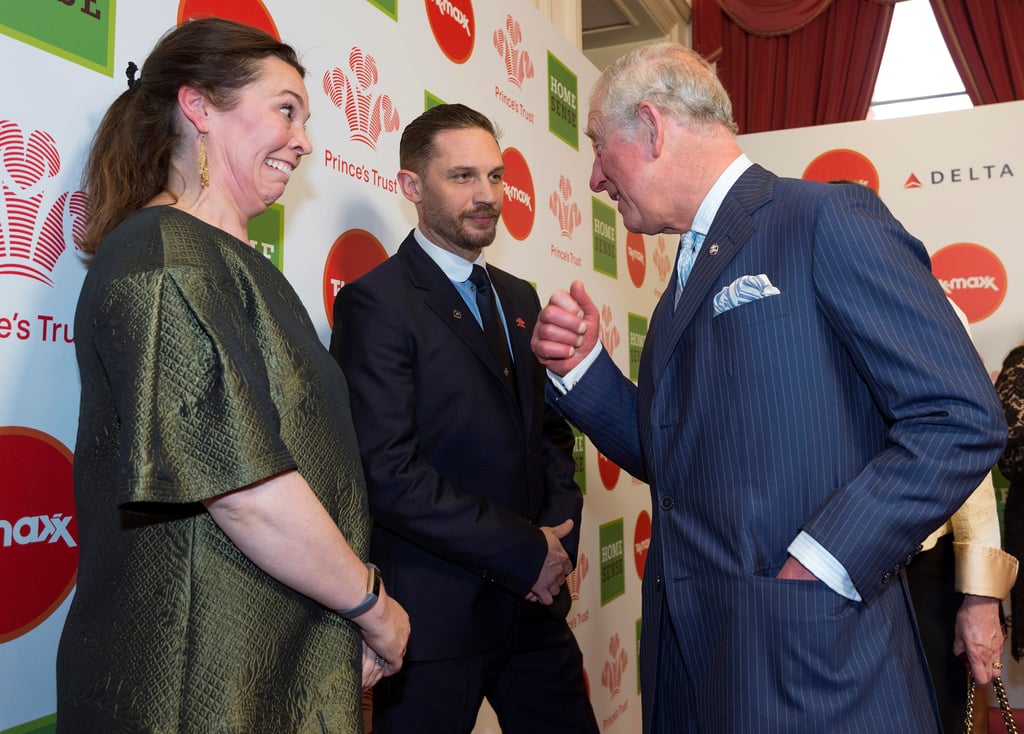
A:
(675, 79)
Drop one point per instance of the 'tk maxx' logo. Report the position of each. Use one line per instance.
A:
(368, 114)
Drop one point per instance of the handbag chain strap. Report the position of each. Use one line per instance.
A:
(1004, 706)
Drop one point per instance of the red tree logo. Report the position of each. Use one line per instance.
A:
(367, 115)
(662, 260)
(518, 66)
(36, 226)
(574, 581)
(614, 666)
(609, 332)
(567, 212)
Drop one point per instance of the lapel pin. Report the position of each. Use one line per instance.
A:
(713, 250)
(520, 323)
(456, 313)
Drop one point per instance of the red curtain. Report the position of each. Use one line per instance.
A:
(794, 63)
(986, 40)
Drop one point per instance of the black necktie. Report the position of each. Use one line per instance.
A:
(492, 323)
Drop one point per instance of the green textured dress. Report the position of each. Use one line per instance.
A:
(201, 373)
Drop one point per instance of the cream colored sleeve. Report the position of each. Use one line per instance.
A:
(982, 567)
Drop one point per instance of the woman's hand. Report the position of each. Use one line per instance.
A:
(385, 629)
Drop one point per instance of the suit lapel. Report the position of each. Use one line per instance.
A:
(442, 298)
(731, 228)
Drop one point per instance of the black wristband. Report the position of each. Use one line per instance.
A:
(373, 582)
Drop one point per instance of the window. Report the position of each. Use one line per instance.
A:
(917, 75)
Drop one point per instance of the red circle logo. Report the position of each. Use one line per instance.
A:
(354, 253)
(518, 211)
(641, 541)
(972, 276)
(453, 27)
(843, 164)
(608, 470)
(636, 258)
(248, 12)
(38, 529)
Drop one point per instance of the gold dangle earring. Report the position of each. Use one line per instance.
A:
(204, 168)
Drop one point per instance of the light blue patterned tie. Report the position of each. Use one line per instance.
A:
(689, 246)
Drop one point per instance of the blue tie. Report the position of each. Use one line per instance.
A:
(689, 246)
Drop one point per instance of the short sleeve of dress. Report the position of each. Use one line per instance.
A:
(190, 387)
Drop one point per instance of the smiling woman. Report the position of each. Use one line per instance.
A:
(209, 565)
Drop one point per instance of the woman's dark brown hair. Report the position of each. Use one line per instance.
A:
(129, 161)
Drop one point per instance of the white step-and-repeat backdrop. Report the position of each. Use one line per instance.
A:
(373, 66)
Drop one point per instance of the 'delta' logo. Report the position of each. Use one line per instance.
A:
(518, 212)
(452, 23)
(38, 530)
(972, 276)
(843, 164)
(248, 12)
(354, 253)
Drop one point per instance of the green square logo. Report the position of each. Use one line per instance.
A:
(579, 456)
(637, 337)
(388, 7)
(563, 103)
(613, 565)
(266, 234)
(81, 31)
(605, 234)
(430, 101)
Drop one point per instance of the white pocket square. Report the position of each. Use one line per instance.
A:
(744, 289)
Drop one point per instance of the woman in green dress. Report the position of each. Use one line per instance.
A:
(220, 502)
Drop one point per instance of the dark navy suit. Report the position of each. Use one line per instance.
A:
(851, 406)
(460, 475)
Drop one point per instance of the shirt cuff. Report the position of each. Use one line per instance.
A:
(823, 564)
(983, 571)
(565, 383)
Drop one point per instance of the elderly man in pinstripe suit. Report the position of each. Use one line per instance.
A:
(808, 409)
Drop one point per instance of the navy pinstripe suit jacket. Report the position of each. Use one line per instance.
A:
(851, 405)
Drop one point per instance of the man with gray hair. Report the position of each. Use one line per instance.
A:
(807, 410)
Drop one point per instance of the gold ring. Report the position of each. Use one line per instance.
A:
(998, 665)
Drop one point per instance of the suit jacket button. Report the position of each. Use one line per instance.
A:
(666, 503)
